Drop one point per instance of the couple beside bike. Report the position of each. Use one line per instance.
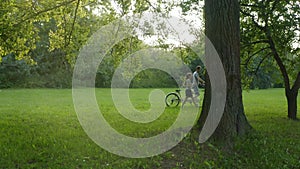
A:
(192, 82)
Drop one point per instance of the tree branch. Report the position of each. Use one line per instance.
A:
(253, 20)
(44, 11)
(248, 5)
(255, 53)
(254, 69)
(73, 24)
(278, 60)
(153, 7)
(274, 6)
(263, 59)
(296, 85)
(256, 42)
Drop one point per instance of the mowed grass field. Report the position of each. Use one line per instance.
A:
(39, 129)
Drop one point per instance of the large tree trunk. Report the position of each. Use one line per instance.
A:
(222, 29)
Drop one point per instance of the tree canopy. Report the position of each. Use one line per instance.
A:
(270, 32)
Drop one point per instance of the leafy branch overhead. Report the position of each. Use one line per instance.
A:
(272, 27)
(21, 20)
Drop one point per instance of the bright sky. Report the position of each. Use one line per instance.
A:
(181, 30)
(193, 17)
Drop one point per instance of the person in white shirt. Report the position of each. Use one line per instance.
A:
(188, 89)
(196, 81)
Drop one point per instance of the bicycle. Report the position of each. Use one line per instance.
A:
(173, 99)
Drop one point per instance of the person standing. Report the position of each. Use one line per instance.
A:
(188, 89)
(196, 81)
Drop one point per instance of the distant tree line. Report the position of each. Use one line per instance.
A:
(52, 70)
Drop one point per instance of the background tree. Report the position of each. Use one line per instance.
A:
(18, 18)
(44, 38)
(271, 29)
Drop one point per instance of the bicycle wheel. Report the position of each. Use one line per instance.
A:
(172, 100)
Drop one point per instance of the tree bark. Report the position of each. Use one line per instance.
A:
(292, 104)
(222, 29)
(291, 95)
(206, 102)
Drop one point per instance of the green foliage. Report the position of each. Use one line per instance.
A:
(32, 30)
(21, 22)
(47, 69)
(187, 6)
(49, 34)
(260, 77)
(51, 70)
(153, 78)
(13, 72)
(278, 20)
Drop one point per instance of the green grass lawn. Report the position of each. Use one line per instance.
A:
(39, 129)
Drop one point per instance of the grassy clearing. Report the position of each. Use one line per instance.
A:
(39, 129)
